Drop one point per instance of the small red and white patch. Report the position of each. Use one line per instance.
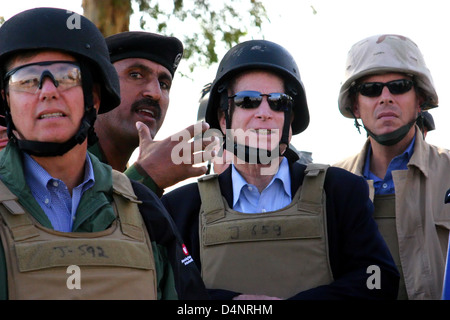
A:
(188, 259)
(185, 250)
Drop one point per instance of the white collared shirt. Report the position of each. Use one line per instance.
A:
(277, 194)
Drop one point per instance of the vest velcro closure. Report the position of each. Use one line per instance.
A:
(280, 227)
(82, 252)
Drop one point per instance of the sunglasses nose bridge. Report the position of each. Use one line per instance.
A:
(264, 105)
(47, 74)
(385, 90)
(386, 96)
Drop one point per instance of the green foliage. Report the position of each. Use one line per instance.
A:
(205, 27)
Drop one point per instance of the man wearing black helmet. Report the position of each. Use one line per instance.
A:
(70, 226)
(219, 164)
(146, 64)
(426, 123)
(388, 86)
(297, 232)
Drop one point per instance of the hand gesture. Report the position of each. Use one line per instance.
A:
(166, 167)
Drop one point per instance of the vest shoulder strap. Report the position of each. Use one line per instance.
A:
(9, 200)
(212, 202)
(14, 215)
(311, 196)
(122, 186)
(126, 203)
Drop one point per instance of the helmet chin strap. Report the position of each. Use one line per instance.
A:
(250, 154)
(391, 138)
(86, 129)
(387, 139)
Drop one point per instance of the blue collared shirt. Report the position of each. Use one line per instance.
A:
(277, 194)
(52, 194)
(400, 162)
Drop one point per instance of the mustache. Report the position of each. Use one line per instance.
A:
(147, 103)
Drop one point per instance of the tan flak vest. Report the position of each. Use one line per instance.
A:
(384, 215)
(116, 263)
(279, 253)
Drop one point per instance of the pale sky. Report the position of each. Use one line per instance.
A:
(319, 43)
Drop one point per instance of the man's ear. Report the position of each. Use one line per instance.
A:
(96, 94)
(420, 100)
(222, 121)
(355, 109)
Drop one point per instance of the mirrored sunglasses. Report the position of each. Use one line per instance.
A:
(29, 77)
(374, 89)
(252, 100)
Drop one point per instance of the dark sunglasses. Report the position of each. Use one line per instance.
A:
(252, 100)
(29, 77)
(374, 89)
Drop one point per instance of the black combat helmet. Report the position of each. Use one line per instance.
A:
(62, 30)
(428, 121)
(259, 55)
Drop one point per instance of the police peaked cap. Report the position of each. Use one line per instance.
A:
(167, 51)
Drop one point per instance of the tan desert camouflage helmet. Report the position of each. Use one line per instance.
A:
(381, 54)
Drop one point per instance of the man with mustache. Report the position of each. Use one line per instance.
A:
(388, 86)
(146, 63)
